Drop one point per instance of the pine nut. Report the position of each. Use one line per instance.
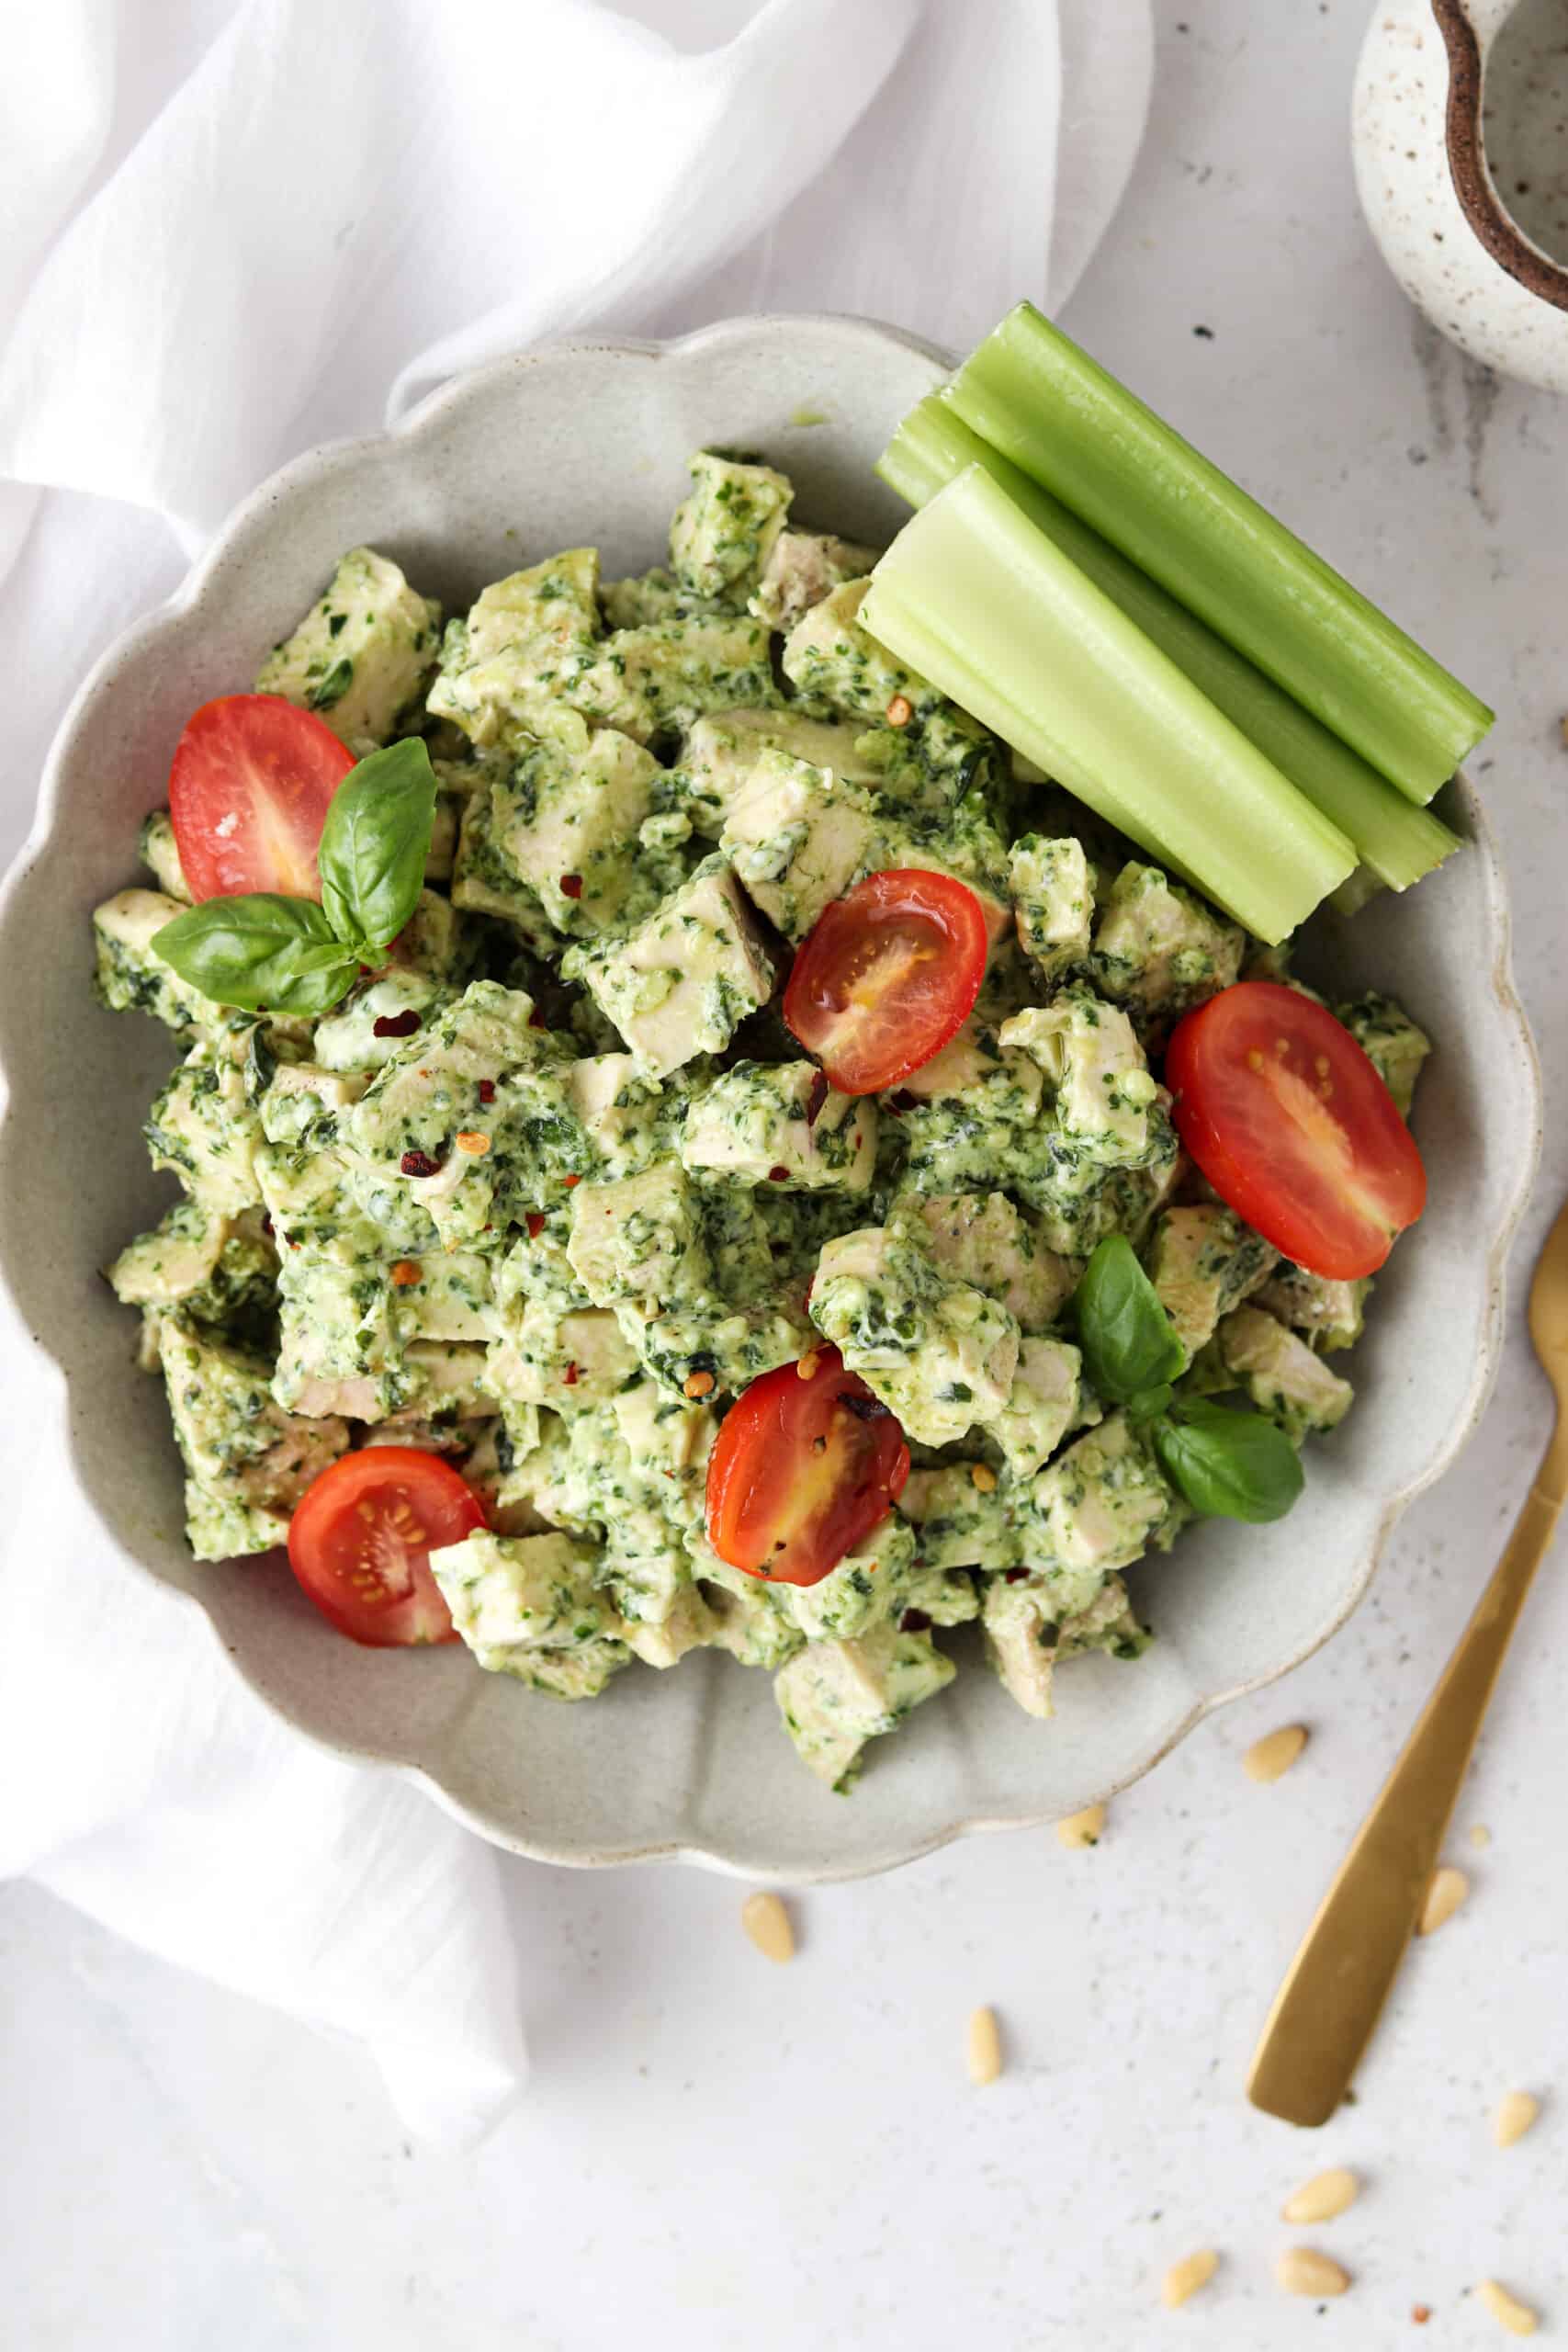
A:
(1507, 2310)
(984, 2048)
(982, 1477)
(1082, 1828)
(1447, 1892)
(1270, 1758)
(1184, 2278)
(471, 1142)
(767, 1923)
(1321, 2199)
(1304, 2271)
(1516, 2112)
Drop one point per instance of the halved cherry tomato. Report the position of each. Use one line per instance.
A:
(251, 781)
(1291, 1124)
(803, 1468)
(887, 975)
(361, 1539)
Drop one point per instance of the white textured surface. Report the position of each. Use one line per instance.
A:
(719, 2152)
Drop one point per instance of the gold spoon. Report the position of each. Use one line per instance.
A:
(1324, 2011)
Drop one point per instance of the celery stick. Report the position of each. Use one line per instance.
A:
(1031, 393)
(977, 600)
(1398, 841)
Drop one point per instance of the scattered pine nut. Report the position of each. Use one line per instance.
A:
(1481, 1835)
(1322, 2198)
(1270, 1758)
(1082, 1828)
(809, 1363)
(1447, 1892)
(406, 1272)
(1507, 2310)
(767, 1923)
(1185, 2278)
(470, 1141)
(982, 1477)
(1516, 2112)
(984, 2048)
(698, 1383)
(1304, 2271)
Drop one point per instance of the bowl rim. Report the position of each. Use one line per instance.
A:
(291, 479)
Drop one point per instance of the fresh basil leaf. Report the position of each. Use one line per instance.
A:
(1228, 1464)
(1128, 1340)
(375, 843)
(261, 951)
(1149, 1403)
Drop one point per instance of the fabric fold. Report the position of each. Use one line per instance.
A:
(271, 224)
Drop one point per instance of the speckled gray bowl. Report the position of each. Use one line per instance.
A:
(589, 443)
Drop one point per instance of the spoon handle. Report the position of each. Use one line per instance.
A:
(1324, 2011)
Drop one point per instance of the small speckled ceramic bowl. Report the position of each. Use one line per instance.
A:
(1459, 136)
(590, 444)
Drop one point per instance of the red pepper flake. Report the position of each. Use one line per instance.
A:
(569, 1180)
(535, 1019)
(815, 1099)
(268, 1227)
(900, 710)
(778, 1175)
(569, 1375)
(396, 1024)
(487, 1090)
(1015, 1576)
(571, 886)
(1420, 2313)
(535, 1222)
(419, 1163)
(914, 1621)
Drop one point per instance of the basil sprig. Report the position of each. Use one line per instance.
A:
(1227, 1463)
(262, 951)
(1129, 1341)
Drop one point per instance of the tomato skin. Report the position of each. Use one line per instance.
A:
(249, 786)
(802, 1470)
(361, 1537)
(1293, 1126)
(886, 976)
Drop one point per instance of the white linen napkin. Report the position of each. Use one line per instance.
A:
(230, 228)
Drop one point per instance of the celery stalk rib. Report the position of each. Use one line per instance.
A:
(1397, 840)
(983, 604)
(1044, 403)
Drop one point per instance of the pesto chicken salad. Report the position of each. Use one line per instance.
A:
(690, 1138)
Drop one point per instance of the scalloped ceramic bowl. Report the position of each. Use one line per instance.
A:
(582, 444)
